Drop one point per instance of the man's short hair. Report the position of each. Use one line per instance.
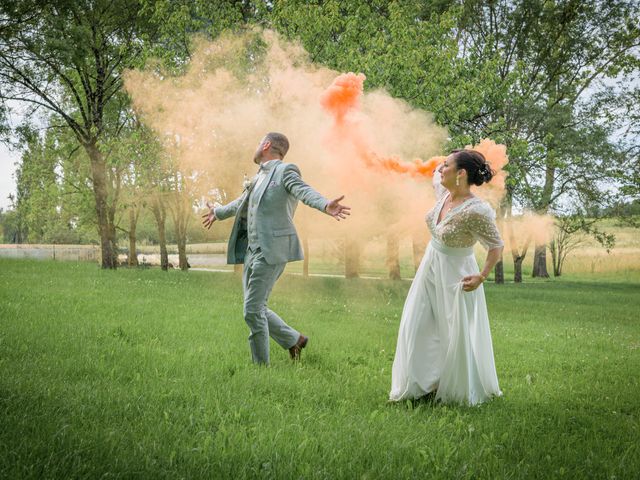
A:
(279, 143)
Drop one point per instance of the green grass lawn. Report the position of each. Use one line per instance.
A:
(147, 374)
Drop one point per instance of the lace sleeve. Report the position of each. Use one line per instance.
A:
(484, 228)
(437, 185)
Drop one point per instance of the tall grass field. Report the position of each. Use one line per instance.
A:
(139, 373)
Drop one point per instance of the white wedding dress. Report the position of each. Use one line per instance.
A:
(444, 343)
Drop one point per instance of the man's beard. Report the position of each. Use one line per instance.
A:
(257, 157)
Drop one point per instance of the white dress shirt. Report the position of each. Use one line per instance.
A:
(262, 174)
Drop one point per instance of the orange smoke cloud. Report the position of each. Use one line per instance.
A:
(343, 95)
(344, 140)
(340, 99)
(417, 168)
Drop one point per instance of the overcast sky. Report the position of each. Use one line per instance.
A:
(7, 170)
(9, 158)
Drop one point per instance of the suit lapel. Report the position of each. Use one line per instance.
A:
(265, 183)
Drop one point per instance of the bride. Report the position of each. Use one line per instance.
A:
(444, 342)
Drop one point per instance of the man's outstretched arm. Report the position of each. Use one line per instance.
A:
(221, 213)
(294, 184)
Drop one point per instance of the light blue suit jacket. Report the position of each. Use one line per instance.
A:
(278, 196)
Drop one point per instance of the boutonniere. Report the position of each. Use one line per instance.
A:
(246, 183)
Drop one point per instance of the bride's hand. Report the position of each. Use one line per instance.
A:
(471, 282)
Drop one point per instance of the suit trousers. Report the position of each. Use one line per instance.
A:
(258, 279)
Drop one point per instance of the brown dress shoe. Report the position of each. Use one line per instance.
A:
(297, 348)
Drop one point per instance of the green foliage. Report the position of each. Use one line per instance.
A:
(54, 201)
(5, 129)
(627, 209)
(553, 59)
(570, 234)
(180, 22)
(11, 227)
(159, 384)
(67, 56)
(548, 79)
(524, 74)
(404, 47)
(38, 192)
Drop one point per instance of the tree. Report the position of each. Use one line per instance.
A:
(154, 179)
(180, 21)
(499, 268)
(180, 204)
(132, 204)
(11, 224)
(518, 248)
(404, 47)
(393, 256)
(401, 46)
(551, 58)
(352, 253)
(160, 215)
(136, 158)
(67, 56)
(37, 195)
(571, 232)
(417, 51)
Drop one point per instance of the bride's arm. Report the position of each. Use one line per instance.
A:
(493, 257)
(471, 282)
(436, 181)
(483, 224)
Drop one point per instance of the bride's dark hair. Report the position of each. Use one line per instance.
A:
(478, 169)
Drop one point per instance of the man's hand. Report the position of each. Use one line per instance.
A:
(209, 217)
(336, 210)
(471, 282)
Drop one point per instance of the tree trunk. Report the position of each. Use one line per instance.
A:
(181, 241)
(164, 254)
(553, 248)
(113, 239)
(133, 221)
(180, 222)
(540, 252)
(180, 209)
(160, 215)
(393, 256)
(351, 258)
(540, 261)
(517, 253)
(100, 193)
(305, 262)
(517, 269)
(182, 253)
(499, 272)
(114, 181)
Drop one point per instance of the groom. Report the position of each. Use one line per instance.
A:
(264, 239)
